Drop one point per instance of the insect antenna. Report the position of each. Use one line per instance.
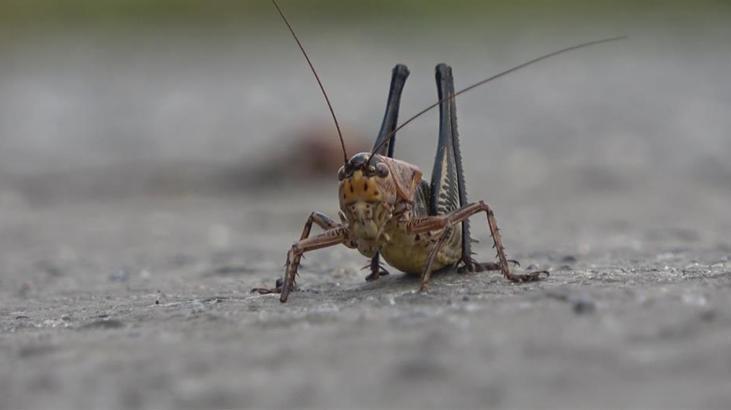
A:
(317, 77)
(496, 76)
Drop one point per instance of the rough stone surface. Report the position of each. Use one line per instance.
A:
(146, 304)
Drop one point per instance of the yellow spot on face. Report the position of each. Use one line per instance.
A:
(359, 188)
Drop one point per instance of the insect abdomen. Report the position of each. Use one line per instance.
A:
(409, 252)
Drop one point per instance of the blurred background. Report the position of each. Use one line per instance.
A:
(157, 158)
(126, 97)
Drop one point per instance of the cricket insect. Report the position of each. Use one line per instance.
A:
(387, 210)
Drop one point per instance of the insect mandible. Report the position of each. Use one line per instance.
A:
(387, 210)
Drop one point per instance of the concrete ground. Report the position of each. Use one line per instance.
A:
(146, 304)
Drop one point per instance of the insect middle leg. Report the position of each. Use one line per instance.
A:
(377, 269)
(443, 222)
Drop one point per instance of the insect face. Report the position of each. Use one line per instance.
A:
(364, 199)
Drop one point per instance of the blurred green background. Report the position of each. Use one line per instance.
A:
(37, 13)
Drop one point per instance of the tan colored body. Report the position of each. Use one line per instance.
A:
(409, 252)
(384, 212)
(378, 212)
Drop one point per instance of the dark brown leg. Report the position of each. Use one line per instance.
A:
(438, 222)
(377, 270)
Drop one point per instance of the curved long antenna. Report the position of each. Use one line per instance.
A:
(317, 77)
(479, 83)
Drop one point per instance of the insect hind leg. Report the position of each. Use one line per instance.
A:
(399, 74)
(453, 185)
(390, 118)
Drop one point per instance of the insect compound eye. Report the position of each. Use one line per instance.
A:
(382, 170)
(341, 173)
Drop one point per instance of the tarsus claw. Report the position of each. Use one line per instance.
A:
(375, 275)
(528, 277)
(266, 291)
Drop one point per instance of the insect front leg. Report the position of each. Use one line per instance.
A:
(326, 239)
(319, 219)
(433, 223)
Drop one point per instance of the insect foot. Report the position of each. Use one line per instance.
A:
(266, 291)
(472, 266)
(528, 277)
(377, 269)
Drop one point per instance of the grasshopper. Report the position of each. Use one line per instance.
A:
(386, 208)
